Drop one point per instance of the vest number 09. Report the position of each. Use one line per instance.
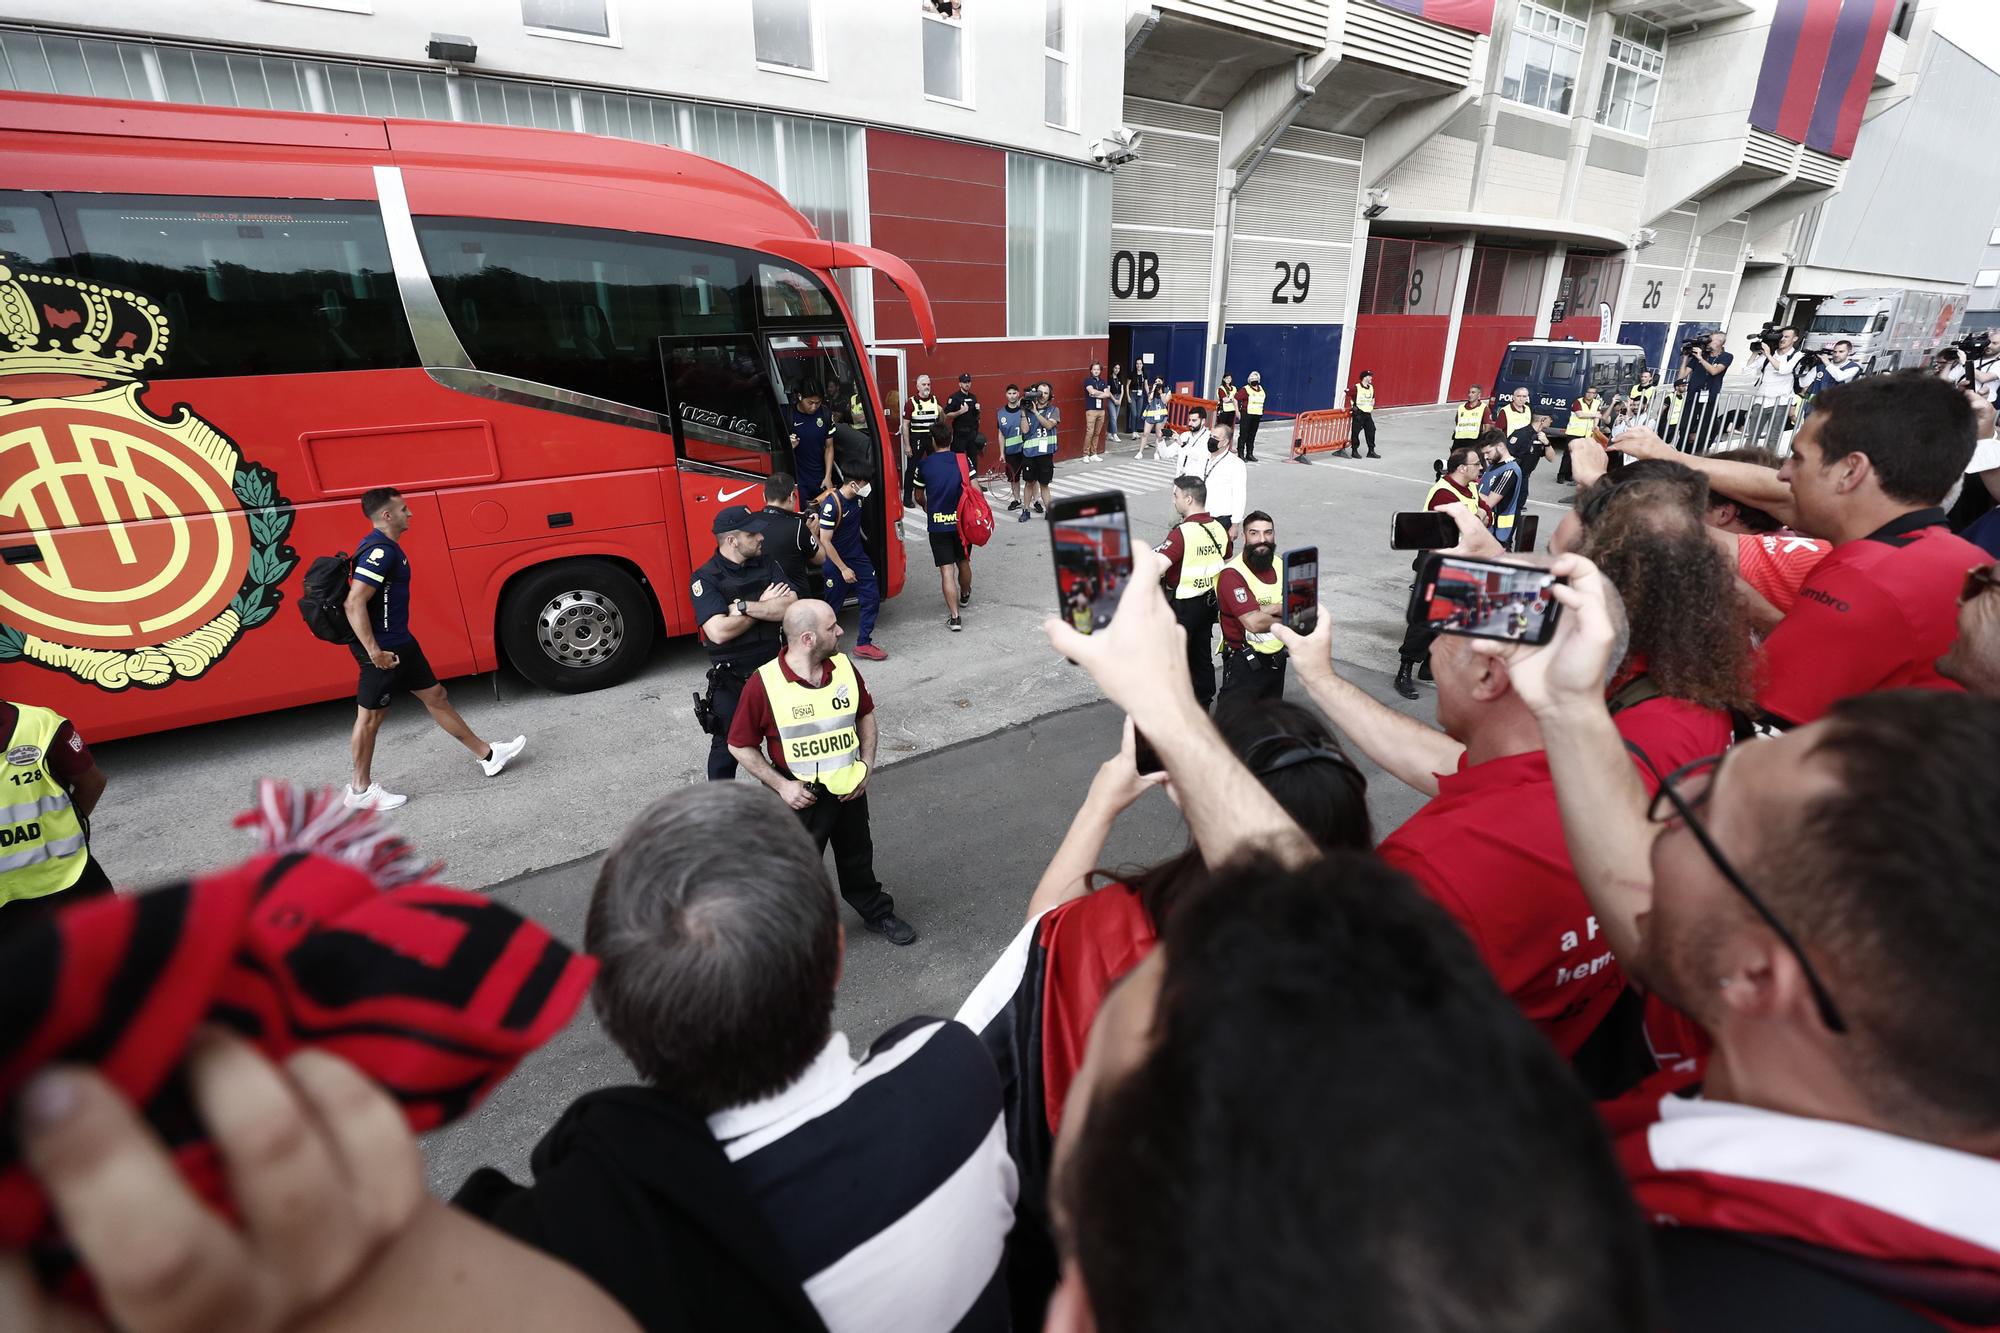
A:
(1294, 283)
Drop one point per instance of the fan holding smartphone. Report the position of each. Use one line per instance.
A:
(1254, 593)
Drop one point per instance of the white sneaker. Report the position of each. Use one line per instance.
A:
(502, 752)
(372, 799)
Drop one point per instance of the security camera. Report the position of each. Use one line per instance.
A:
(1118, 147)
(1644, 237)
(1378, 204)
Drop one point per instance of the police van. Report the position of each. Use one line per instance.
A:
(1556, 373)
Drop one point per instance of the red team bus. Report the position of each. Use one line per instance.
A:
(219, 327)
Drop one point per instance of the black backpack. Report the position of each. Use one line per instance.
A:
(323, 598)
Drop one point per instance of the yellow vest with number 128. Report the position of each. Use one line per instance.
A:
(817, 734)
(43, 849)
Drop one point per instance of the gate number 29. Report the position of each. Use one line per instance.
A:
(1294, 283)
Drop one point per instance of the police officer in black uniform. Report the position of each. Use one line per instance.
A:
(791, 539)
(739, 598)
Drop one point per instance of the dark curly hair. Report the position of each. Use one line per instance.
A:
(1643, 527)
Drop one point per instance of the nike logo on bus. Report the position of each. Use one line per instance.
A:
(727, 496)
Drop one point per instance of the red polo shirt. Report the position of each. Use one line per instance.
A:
(1489, 849)
(753, 721)
(1873, 615)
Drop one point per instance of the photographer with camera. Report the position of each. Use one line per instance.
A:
(1982, 360)
(1776, 360)
(1706, 365)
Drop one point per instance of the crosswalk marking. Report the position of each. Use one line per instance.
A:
(1132, 475)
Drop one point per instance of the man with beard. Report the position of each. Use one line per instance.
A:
(805, 727)
(1251, 593)
(1811, 906)
(1503, 486)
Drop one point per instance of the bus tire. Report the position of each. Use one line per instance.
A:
(576, 625)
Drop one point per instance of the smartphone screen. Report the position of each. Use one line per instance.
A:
(1302, 589)
(1485, 599)
(1424, 530)
(1527, 529)
(1092, 545)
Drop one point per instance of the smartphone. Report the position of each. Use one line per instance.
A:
(1092, 544)
(1527, 528)
(1485, 599)
(1143, 756)
(1424, 530)
(1302, 589)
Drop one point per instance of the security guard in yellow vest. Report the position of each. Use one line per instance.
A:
(805, 727)
(1585, 414)
(51, 785)
(1457, 481)
(1363, 421)
(921, 416)
(1251, 593)
(1253, 416)
(1470, 417)
(1514, 414)
(1676, 400)
(1196, 551)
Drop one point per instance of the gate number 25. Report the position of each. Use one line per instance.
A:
(1294, 283)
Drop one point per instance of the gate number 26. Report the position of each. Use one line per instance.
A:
(1294, 283)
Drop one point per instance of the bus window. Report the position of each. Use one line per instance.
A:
(579, 307)
(723, 403)
(28, 229)
(786, 293)
(250, 286)
(824, 361)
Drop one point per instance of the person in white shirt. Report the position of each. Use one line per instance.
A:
(1228, 481)
(1773, 367)
(1986, 376)
(1191, 445)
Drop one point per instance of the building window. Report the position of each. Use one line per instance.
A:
(1632, 80)
(1056, 67)
(1544, 53)
(786, 36)
(1905, 16)
(569, 18)
(944, 52)
(1058, 256)
(1988, 277)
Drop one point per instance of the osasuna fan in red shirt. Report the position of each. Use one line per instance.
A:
(1823, 907)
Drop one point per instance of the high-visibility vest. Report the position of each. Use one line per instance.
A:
(1202, 545)
(1156, 409)
(1503, 520)
(1643, 393)
(1011, 422)
(924, 414)
(1364, 398)
(1469, 421)
(1585, 417)
(1041, 439)
(1674, 409)
(43, 849)
(1255, 407)
(1516, 419)
(816, 727)
(1225, 400)
(1270, 598)
(1470, 498)
(855, 411)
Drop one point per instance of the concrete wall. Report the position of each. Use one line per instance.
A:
(871, 54)
(1702, 116)
(1437, 175)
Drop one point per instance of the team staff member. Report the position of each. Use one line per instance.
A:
(54, 783)
(1503, 486)
(1469, 418)
(390, 657)
(805, 728)
(922, 415)
(1364, 416)
(1038, 450)
(812, 443)
(1251, 593)
(1011, 421)
(844, 553)
(939, 490)
(1253, 416)
(739, 598)
(1196, 551)
(791, 541)
(961, 412)
(1457, 484)
(1096, 402)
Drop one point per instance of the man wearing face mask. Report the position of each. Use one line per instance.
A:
(1251, 593)
(844, 555)
(1228, 481)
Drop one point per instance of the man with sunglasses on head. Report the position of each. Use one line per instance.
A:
(1820, 909)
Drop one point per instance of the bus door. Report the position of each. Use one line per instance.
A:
(727, 436)
(826, 361)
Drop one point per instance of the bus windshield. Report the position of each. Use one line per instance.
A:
(1840, 324)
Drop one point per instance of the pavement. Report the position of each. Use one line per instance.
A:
(594, 759)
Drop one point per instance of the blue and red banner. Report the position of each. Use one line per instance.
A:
(1466, 15)
(1819, 63)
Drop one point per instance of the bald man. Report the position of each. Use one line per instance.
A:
(805, 728)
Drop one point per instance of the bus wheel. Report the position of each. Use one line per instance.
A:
(576, 626)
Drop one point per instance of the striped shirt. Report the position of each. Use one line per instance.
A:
(887, 1182)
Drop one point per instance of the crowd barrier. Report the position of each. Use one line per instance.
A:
(1322, 432)
(1181, 404)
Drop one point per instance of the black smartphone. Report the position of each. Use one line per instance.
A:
(1092, 543)
(1424, 530)
(1485, 599)
(1143, 757)
(1302, 589)
(1526, 529)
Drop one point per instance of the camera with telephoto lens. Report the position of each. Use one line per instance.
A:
(1694, 347)
(1766, 337)
(1976, 345)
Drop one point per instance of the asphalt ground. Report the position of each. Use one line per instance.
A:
(593, 760)
(962, 835)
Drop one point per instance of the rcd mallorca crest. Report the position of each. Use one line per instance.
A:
(140, 547)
